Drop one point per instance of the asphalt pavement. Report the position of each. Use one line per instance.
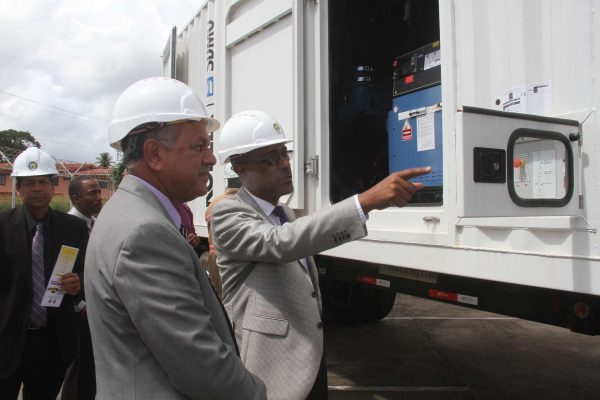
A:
(430, 350)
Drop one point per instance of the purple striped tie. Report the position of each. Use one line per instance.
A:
(38, 312)
(279, 212)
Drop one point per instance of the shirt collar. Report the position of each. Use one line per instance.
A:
(31, 221)
(74, 211)
(263, 204)
(164, 200)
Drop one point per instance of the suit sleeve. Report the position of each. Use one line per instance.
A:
(160, 289)
(243, 234)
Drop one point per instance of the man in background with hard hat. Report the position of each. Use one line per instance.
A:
(158, 329)
(270, 282)
(37, 343)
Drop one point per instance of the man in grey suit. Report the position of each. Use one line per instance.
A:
(270, 282)
(158, 329)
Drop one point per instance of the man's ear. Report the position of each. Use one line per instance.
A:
(238, 168)
(152, 156)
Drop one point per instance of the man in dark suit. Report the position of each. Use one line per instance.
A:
(36, 343)
(80, 378)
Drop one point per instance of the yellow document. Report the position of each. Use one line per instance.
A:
(64, 264)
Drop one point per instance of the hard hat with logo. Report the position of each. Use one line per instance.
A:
(34, 162)
(247, 131)
(159, 100)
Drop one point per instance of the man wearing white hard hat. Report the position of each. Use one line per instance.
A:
(37, 342)
(270, 282)
(158, 329)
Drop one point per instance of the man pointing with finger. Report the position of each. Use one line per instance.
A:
(270, 282)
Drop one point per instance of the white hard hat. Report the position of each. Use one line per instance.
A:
(34, 162)
(155, 100)
(247, 131)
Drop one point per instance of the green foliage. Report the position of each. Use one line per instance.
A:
(116, 174)
(57, 203)
(104, 160)
(17, 140)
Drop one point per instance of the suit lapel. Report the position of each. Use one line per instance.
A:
(20, 237)
(245, 197)
(52, 242)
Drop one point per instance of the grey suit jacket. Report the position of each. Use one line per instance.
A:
(273, 301)
(158, 329)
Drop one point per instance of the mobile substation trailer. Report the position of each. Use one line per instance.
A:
(499, 97)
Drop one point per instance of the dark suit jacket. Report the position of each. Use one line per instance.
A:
(16, 293)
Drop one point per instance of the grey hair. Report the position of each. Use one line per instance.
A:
(133, 146)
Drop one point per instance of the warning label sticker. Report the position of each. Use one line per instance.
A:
(406, 131)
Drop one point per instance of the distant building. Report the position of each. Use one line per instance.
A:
(65, 172)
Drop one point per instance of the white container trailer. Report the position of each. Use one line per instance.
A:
(499, 96)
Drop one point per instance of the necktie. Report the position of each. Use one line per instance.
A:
(38, 312)
(280, 213)
(183, 231)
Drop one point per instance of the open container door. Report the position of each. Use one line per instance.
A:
(264, 53)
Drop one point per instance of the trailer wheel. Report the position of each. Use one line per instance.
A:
(351, 303)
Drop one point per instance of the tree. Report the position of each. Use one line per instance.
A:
(14, 142)
(104, 160)
(116, 174)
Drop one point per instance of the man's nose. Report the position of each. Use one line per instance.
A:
(284, 162)
(210, 159)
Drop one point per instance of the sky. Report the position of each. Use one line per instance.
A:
(63, 63)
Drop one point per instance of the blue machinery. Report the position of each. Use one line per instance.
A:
(415, 123)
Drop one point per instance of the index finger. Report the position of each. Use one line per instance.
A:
(413, 172)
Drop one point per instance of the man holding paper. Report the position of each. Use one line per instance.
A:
(41, 255)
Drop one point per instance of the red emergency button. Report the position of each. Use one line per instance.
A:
(519, 163)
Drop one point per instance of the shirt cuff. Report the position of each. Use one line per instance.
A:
(361, 214)
(79, 306)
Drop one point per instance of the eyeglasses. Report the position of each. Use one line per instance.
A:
(273, 158)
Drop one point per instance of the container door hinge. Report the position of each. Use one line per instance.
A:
(311, 167)
(581, 202)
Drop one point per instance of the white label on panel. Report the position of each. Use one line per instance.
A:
(533, 98)
(432, 59)
(425, 132)
(544, 174)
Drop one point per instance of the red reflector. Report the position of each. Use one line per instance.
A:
(581, 310)
(367, 279)
(442, 295)
(409, 79)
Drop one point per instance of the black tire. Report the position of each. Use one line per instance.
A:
(351, 303)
